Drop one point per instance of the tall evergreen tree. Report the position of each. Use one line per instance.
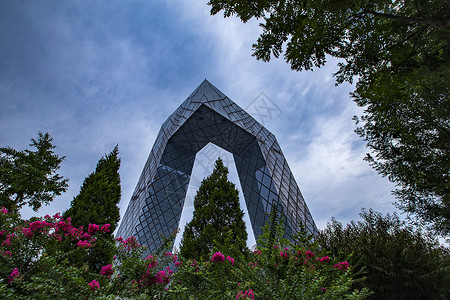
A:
(218, 219)
(97, 204)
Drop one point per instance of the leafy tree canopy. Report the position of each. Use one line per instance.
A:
(29, 177)
(398, 51)
(218, 219)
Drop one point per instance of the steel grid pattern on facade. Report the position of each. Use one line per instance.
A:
(207, 115)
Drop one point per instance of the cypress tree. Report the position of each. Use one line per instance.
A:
(97, 204)
(218, 222)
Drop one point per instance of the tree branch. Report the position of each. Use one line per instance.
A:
(438, 24)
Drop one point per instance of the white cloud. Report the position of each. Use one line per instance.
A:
(332, 175)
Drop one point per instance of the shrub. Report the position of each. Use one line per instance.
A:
(397, 261)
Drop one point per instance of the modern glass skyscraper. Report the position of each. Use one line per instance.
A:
(209, 116)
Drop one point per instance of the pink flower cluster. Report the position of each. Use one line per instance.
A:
(105, 228)
(129, 243)
(163, 277)
(37, 226)
(83, 244)
(324, 259)
(247, 294)
(284, 254)
(4, 210)
(230, 259)
(257, 252)
(218, 257)
(107, 270)
(94, 285)
(153, 261)
(59, 227)
(309, 254)
(7, 241)
(15, 273)
(342, 265)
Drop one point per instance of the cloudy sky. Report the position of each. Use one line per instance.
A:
(99, 73)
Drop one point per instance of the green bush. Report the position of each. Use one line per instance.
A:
(397, 261)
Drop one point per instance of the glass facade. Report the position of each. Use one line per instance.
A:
(208, 116)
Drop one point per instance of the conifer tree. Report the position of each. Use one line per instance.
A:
(97, 204)
(218, 219)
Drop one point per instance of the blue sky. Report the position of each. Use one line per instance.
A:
(97, 73)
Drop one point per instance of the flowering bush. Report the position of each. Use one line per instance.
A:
(33, 260)
(34, 264)
(277, 269)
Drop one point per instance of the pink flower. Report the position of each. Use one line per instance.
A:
(248, 294)
(174, 258)
(105, 228)
(284, 254)
(94, 285)
(7, 253)
(131, 243)
(14, 274)
(93, 228)
(178, 263)
(257, 252)
(86, 236)
(342, 265)
(107, 270)
(153, 264)
(40, 225)
(162, 277)
(325, 259)
(4, 210)
(83, 244)
(57, 216)
(27, 232)
(309, 254)
(218, 257)
(231, 260)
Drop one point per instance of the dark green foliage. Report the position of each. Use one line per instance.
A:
(398, 261)
(29, 177)
(218, 220)
(399, 52)
(97, 204)
(406, 123)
